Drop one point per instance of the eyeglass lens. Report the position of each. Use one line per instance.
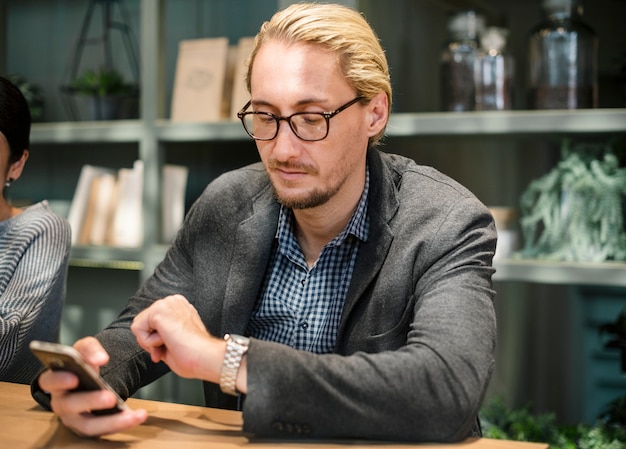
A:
(307, 126)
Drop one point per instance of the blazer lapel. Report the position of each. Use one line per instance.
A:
(383, 204)
(253, 246)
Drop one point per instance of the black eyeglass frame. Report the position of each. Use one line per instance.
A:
(327, 116)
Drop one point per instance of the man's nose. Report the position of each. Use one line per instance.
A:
(286, 141)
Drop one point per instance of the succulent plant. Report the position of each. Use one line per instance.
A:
(32, 93)
(103, 82)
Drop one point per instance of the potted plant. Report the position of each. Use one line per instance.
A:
(32, 94)
(107, 90)
(575, 212)
(500, 421)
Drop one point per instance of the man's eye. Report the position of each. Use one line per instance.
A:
(264, 118)
(311, 119)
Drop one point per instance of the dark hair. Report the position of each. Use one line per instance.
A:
(14, 119)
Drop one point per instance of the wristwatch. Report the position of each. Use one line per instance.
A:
(236, 347)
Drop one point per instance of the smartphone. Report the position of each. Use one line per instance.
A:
(59, 357)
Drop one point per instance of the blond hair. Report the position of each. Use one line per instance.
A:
(340, 29)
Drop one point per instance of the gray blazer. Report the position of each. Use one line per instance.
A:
(415, 345)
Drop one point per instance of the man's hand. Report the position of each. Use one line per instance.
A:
(73, 407)
(171, 330)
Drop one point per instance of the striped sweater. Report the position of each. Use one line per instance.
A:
(34, 252)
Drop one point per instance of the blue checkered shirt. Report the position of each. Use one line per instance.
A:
(301, 306)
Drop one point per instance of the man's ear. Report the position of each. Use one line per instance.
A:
(15, 169)
(378, 113)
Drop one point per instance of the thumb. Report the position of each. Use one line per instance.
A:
(92, 351)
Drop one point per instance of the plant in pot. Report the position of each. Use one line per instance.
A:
(576, 211)
(107, 91)
(499, 421)
(32, 93)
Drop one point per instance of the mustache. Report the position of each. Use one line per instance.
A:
(274, 164)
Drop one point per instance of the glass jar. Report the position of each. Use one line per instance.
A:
(458, 58)
(563, 59)
(494, 76)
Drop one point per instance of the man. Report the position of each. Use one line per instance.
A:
(354, 287)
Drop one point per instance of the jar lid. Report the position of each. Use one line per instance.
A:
(466, 23)
(494, 38)
(555, 5)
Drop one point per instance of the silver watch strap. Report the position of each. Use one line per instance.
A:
(236, 347)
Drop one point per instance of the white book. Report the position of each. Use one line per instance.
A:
(104, 197)
(240, 94)
(199, 80)
(80, 200)
(173, 197)
(127, 223)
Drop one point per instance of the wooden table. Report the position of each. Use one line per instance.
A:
(25, 425)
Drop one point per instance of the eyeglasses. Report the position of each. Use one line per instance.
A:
(308, 126)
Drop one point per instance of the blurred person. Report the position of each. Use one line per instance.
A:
(34, 251)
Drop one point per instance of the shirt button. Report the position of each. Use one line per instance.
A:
(304, 325)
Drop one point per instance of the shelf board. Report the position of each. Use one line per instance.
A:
(168, 131)
(542, 272)
(107, 257)
(577, 273)
(400, 124)
(97, 131)
(508, 122)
